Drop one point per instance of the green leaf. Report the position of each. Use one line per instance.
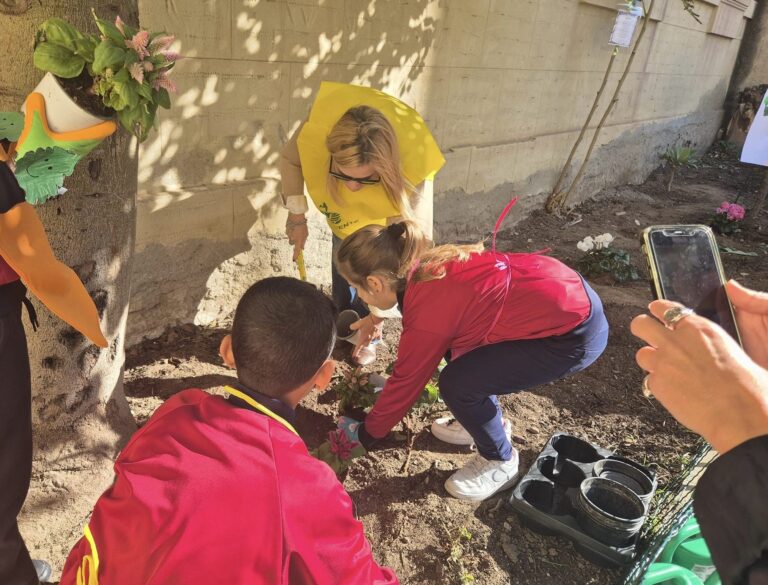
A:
(106, 56)
(60, 32)
(163, 98)
(58, 60)
(109, 30)
(725, 249)
(129, 92)
(41, 172)
(130, 58)
(11, 125)
(85, 47)
(146, 92)
(129, 118)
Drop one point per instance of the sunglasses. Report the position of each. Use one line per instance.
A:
(347, 178)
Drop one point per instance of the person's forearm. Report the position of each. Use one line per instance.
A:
(292, 176)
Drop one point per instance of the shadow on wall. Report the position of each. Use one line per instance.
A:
(210, 220)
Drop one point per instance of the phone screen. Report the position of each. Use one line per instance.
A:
(688, 273)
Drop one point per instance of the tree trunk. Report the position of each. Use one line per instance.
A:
(80, 413)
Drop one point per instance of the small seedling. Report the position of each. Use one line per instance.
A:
(675, 158)
(458, 541)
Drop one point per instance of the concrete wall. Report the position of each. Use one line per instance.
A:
(752, 64)
(504, 84)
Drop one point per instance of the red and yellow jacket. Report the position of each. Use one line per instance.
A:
(208, 492)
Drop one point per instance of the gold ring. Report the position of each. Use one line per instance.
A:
(646, 389)
(675, 314)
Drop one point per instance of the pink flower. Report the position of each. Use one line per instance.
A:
(148, 66)
(340, 444)
(137, 71)
(162, 82)
(170, 56)
(162, 42)
(139, 43)
(735, 212)
(119, 24)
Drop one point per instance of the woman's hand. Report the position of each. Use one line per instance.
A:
(297, 231)
(752, 320)
(702, 376)
(370, 330)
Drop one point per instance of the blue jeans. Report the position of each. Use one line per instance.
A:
(470, 384)
(344, 295)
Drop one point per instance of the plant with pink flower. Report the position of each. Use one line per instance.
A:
(338, 451)
(727, 218)
(127, 66)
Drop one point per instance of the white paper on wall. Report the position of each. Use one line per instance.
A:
(623, 29)
(756, 145)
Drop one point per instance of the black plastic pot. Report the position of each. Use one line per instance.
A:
(609, 511)
(343, 321)
(628, 475)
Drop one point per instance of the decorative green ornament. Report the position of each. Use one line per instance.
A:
(41, 172)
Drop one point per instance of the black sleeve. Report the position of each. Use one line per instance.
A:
(10, 192)
(731, 505)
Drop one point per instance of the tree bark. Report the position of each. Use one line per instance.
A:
(80, 413)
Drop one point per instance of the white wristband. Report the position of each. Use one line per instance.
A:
(391, 313)
(296, 204)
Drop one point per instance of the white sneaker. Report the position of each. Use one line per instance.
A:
(480, 478)
(449, 430)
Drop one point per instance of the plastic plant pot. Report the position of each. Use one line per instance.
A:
(609, 511)
(343, 322)
(628, 475)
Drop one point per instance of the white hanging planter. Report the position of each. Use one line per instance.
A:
(63, 113)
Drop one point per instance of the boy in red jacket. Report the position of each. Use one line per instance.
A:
(215, 490)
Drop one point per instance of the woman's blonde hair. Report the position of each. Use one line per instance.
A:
(398, 252)
(362, 136)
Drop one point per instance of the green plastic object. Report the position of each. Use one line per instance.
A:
(689, 549)
(669, 574)
(713, 579)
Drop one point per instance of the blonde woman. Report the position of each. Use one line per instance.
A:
(505, 322)
(366, 159)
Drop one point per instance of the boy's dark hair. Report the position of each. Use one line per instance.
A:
(284, 329)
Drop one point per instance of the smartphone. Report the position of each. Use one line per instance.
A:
(685, 267)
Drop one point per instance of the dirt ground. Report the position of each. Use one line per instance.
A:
(412, 523)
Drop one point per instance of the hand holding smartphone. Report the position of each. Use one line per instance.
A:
(685, 267)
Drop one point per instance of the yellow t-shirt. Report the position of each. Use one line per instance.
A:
(419, 154)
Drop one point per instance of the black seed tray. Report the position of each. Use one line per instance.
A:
(546, 501)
